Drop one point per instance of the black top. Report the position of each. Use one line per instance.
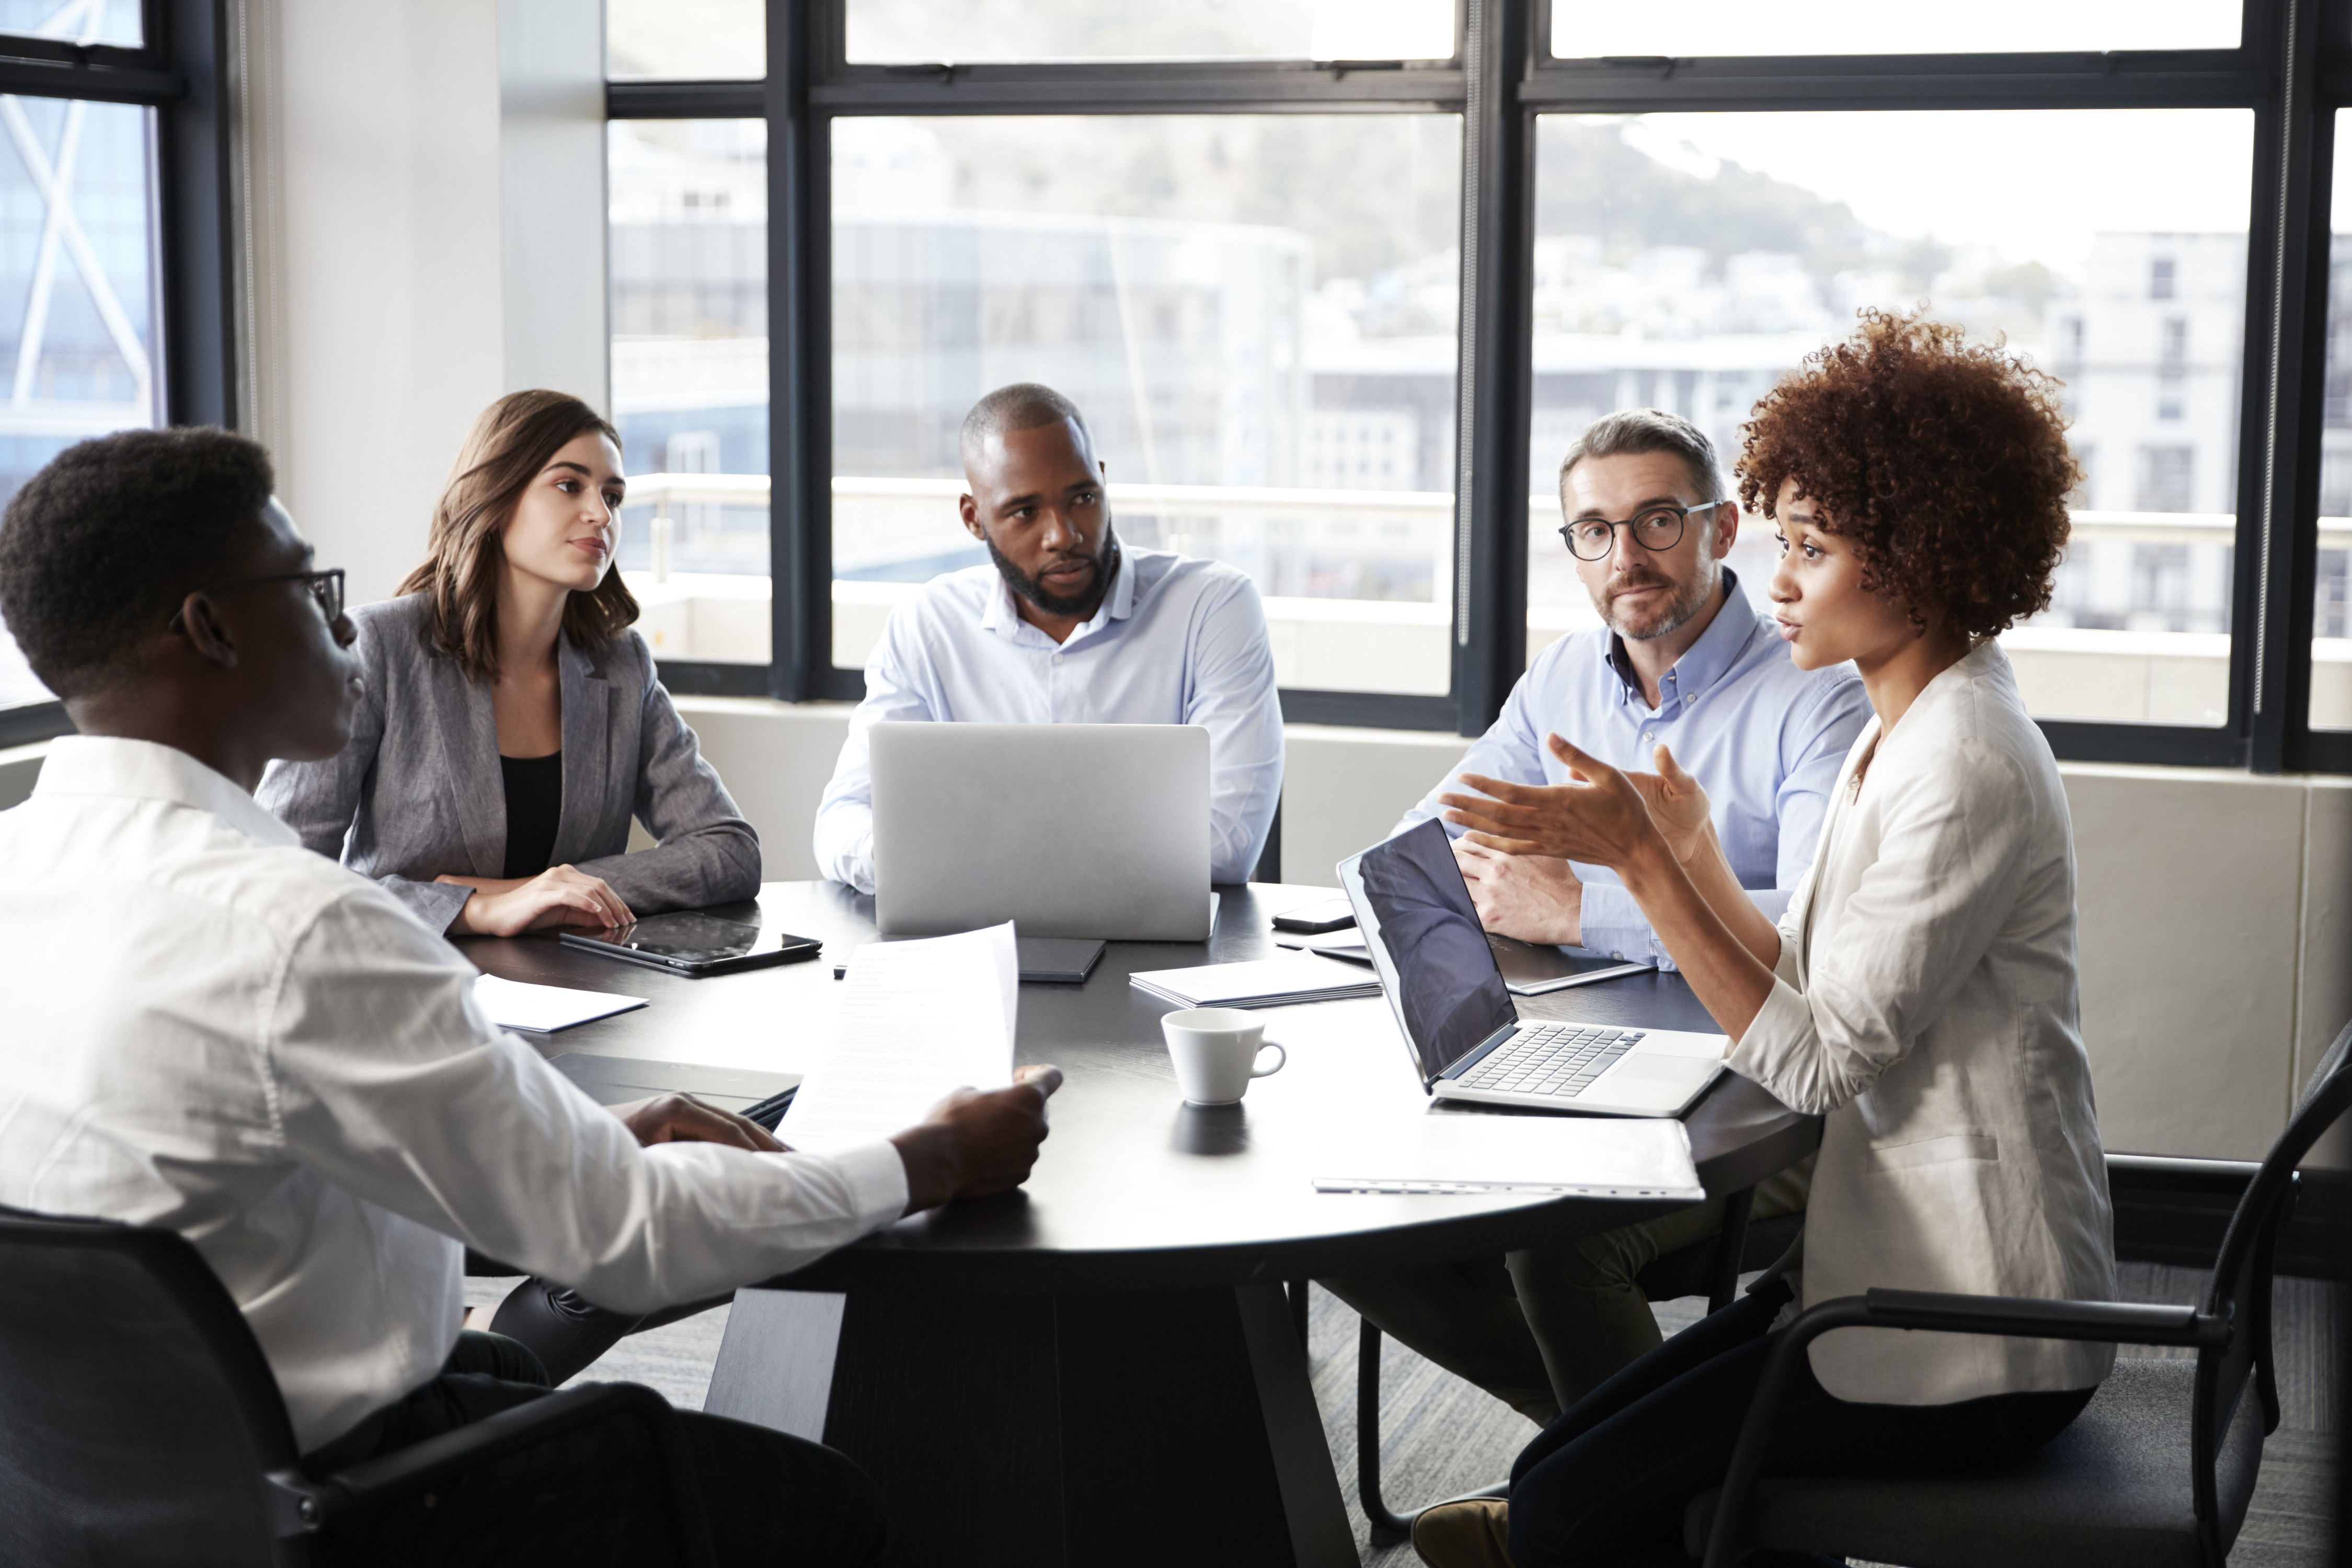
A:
(534, 806)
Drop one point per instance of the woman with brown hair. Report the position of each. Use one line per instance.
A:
(512, 727)
(513, 723)
(1921, 993)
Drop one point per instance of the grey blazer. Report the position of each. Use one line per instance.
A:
(418, 794)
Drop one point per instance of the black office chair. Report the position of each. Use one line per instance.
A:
(140, 1423)
(1711, 1269)
(1269, 859)
(2158, 1468)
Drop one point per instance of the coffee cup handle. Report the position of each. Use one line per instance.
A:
(1281, 1059)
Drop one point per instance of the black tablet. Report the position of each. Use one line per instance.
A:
(693, 943)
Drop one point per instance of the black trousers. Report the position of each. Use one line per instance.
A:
(597, 1495)
(1608, 1482)
(562, 1328)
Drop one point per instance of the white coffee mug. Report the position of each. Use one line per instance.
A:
(1216, 1051)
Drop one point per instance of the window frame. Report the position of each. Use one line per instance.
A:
(180, 71)
(2292, 68)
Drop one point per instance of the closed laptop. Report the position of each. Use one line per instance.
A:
(1065, 829)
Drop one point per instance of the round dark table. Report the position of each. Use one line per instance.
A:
(1101, 1367)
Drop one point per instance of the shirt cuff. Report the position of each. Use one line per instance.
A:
(1610, 921)
(1784, 1022)
(877, 1181)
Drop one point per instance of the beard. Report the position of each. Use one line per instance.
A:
(1079, 606)
(1686, 602)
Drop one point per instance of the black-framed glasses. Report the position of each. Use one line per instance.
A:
(1653, 527)
(326, 587)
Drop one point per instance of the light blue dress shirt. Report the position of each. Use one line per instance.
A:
(1177, 640)
(1764, 738)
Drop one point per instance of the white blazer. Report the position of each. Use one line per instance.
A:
(1926, 1001)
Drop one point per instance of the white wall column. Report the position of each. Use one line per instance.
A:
(374, 261)
(552, 167)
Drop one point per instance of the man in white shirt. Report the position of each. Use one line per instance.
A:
(1068, 626)
(215, 1030)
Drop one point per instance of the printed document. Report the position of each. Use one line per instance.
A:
(543, 1010)
(918, 1020)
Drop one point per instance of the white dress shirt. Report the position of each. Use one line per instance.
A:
(1177, 640)
(1926, 999)
(214, 1029)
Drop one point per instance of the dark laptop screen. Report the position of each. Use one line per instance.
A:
(1432, 952)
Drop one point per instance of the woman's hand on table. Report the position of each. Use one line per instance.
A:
(974, 1144)
(1602, 820)
(683, 1119)
(560, 895)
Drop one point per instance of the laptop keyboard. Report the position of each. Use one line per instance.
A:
(1556, 1060)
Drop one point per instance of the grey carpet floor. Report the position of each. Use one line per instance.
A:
(1439, 1436)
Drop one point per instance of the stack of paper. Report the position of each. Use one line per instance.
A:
(919, 1020)
(543, 1010)
(1446, 1153)
(1264, 983)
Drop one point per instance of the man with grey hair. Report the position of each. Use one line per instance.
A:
(1068, 626)
(1682, 659)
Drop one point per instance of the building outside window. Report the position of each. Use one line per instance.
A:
(78, 286)
(1686, 261)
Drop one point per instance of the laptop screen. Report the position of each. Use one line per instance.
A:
(1426, 940)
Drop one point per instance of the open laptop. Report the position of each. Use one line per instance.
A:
(1467, 1039)
(1065, 829)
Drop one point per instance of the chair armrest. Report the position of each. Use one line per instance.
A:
(2025, 1317)
(304, 1504)
(1941, 1311)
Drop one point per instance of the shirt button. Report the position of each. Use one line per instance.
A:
(1619, 957)
(1057, 658)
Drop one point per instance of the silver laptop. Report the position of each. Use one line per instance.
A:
(1065, 829)
(1467, 1039)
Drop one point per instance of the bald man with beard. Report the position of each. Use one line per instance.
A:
(1068, 625)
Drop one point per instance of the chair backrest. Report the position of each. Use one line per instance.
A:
(2241, 1287)
(137, 1414)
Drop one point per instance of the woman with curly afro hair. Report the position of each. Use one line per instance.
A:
(1921, 993)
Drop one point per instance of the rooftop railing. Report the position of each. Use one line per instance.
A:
(1335, 643)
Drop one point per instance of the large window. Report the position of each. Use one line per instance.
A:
(77, 296)
(1262, 340)
(1337, 281)
(2330, 699)
(1599, 28)
(1686, 261)
(113, 253)
(688, 270)
(968, 31)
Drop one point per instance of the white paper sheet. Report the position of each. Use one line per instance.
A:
(1257, 981)
(918, 1021)
(543, 1010)
(1467, 1152)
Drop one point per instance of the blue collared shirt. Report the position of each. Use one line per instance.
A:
(1177, 640)
(1764, 738)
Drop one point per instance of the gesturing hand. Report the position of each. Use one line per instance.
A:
(1677, 803)
(1601, 820)
(974, 1144)
(683, 1119)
